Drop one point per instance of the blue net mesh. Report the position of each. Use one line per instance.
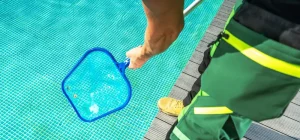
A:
(96, 87)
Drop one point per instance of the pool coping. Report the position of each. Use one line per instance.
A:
(285, 127)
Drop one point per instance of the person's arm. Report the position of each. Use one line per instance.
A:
(165, 21)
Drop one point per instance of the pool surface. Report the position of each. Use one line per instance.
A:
(40, 41)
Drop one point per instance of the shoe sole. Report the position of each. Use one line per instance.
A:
(170, 114)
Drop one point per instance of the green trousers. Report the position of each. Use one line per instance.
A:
(206, 119)
(250, 77)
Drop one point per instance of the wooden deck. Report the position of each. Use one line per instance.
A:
(285, 128)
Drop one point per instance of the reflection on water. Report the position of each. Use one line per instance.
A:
(94, 109)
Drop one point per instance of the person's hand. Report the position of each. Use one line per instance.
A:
(137, 57)
(164, 24)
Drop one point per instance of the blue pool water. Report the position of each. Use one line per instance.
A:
(42, 40)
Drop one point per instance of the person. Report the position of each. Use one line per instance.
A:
(251, 72)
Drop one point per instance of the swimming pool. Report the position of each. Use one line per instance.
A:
(42, 40)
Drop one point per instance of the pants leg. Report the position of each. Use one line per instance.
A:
(196, 124)
(226, 126)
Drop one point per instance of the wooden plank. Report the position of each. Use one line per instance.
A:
(296, 100)
(222, 16)
(185, 82)
(260, 132)
(232, 1)
(166, 118)
(284, 125)
(225, 9)
(293, 111)
(158, 130)
(214, 30)
(208, 38)
(218, 23)
(197, 57)
(178, 93)
(192, 69)
(228, 3)
(202, 46)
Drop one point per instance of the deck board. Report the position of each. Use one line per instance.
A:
(166, 118)
(228, 4)
(297, 99)
(158, 130)
(293, 112)
(260, 132)
(202, 46)
(222, 16)
(178, 93)
(214, 30)
(284, 125)
(185, 81)
(226, 9)
(197, 57)
(192, 69)
(218, 23)
(208, 38)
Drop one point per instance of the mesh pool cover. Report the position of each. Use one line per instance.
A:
(41, 41)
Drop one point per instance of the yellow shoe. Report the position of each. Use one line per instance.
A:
(170, 106)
